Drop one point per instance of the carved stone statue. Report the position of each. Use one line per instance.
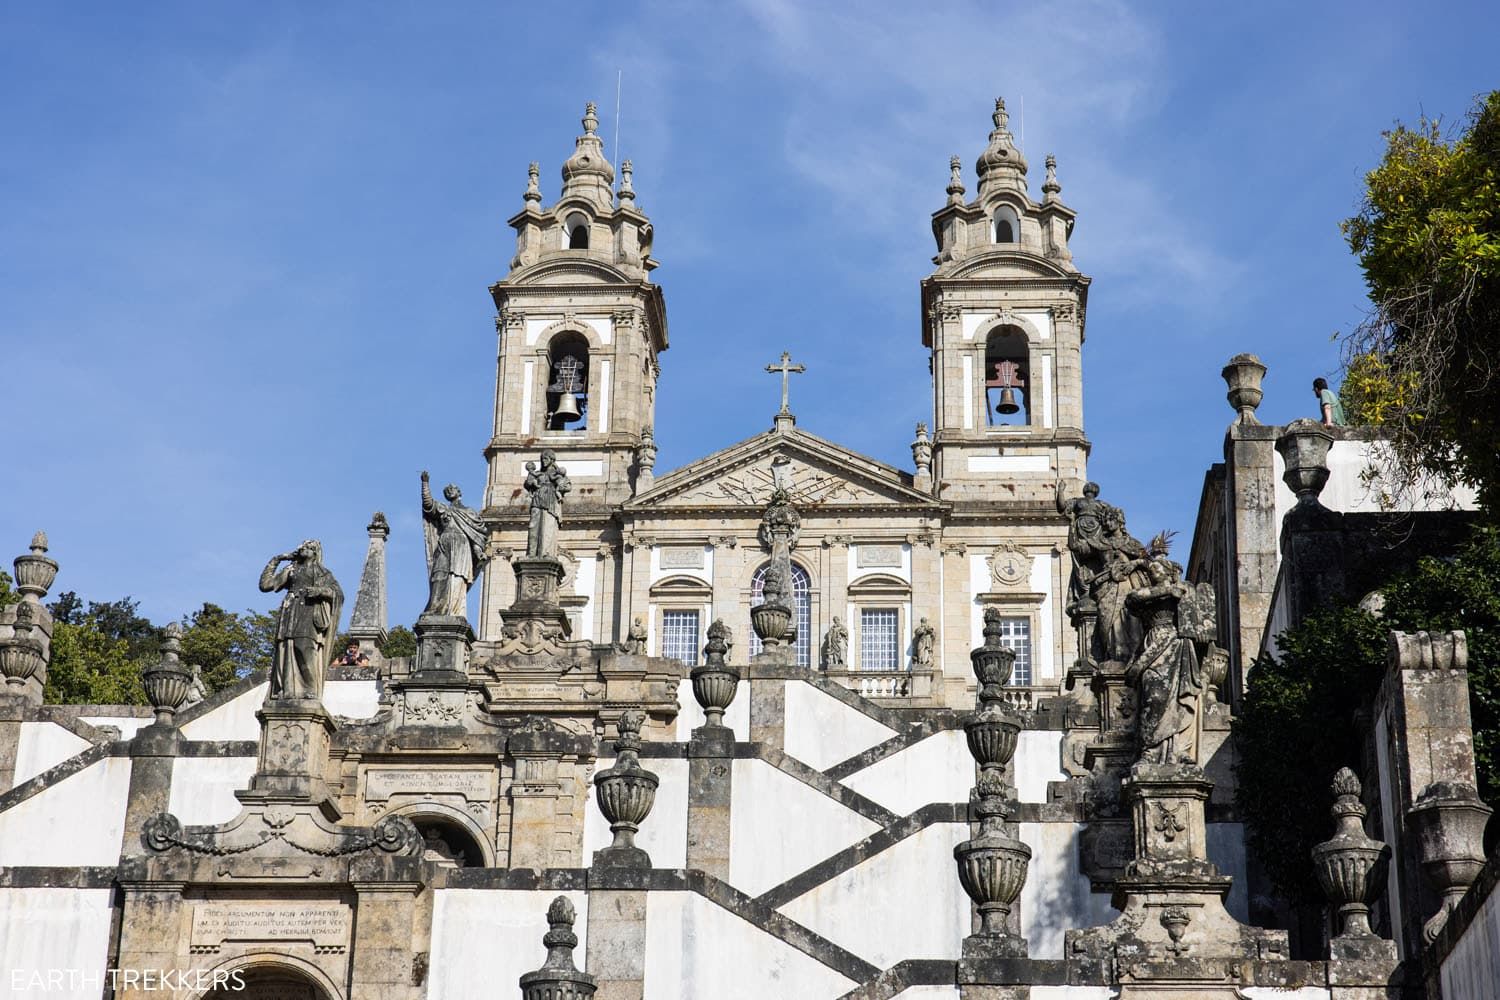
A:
(455, 550)
(547, 486)
(197, 691)
(635, 641)
(836, 646)
(1166, 671)
(1107, 564)
(306, 622)
(923, 645)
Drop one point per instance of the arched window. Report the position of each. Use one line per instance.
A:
(268, 980)
(1007, 225)
(1007, 378)
(802, 601)
(577, 228)
(568, 383)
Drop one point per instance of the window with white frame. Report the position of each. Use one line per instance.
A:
(1015, 633)
(801, 605)
(679, 635)
(880, 639)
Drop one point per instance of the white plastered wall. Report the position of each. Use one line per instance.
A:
(663, 835)
(77, 822)
(695, 948)
(766, 850)
(583, 586)
(64, 932)
(44, 745)
(1057, 897)
(1473, 967)
(936, 769)
(484, 940)
(351, 699)
(203, 788)
(234, 720)
(822, 731)
(128, 725)
(1038, 761)
(910, 878)
(1226, 849)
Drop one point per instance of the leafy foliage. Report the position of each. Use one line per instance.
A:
(1306, 706)
(7, 593)
(399, 641)
(100, 650)
(1427, 359)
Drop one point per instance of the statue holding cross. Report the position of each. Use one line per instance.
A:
(786, 369)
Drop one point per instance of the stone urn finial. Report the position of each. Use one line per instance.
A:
(992, 730)
(1243, 375)
(21, 652)
(715, 682)
(1448, 821)
(35, 571)
(169, 683)
(1304, 445)
(992, 866)
(626, 793)
(1350, 865)
(559, 978)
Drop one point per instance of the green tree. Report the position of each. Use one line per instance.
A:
(226, 645)
(1311, 702)
(90, 667)
(7, 593)
(1427, 358)
(399, 641)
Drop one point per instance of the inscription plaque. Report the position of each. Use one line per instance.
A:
(681, 558)
(472, 785)
(323, 925)
(875, 556)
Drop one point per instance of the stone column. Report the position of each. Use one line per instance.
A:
(382, 961)
(1428, 780)
(1250, 509)
(533, 807)
(367, 622)
(616, 950)
(294, 735)
(711, 761)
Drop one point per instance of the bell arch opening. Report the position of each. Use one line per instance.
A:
(1007, 384)
(1007, 227)
(568, 383)
(577, 229)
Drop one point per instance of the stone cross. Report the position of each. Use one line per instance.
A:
(787, 369)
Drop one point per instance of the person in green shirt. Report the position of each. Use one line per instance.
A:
(1329, 407)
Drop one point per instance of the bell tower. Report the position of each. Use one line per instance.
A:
(1003, 315)
(580, 326)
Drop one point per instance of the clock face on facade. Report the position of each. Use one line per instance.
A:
(1010, 566)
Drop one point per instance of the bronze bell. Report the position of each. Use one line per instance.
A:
(1008, 404)
(567, 408)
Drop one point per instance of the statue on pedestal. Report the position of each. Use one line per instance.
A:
(924, 645)
(306, 622)
(547, 486)
(1107, 564)
(455, 550)
(1166, 671)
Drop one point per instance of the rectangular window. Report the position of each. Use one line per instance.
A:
(1015, 633)
(679, 635)
(879, 639)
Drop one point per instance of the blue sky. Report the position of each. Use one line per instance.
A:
(244, 249)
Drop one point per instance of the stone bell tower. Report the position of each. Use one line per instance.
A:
(580, 327)
(1003, 316)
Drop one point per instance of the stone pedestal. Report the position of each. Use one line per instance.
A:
(710, 787)
(1173, 936)
(537, 619)
(293, 752)
(13, 711)
(152, 754)
(443, 644)
(616, 944)
(768, 695)
(1106, 840)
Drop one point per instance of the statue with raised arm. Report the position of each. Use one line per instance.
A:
(547, 484)
(306, 622)
(455, 540)
(1107, 564)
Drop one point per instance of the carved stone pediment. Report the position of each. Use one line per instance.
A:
(816, 473)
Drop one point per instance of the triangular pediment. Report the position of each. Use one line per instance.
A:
(818, 473)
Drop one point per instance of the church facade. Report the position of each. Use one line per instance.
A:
(889, 554)
(785, 722)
